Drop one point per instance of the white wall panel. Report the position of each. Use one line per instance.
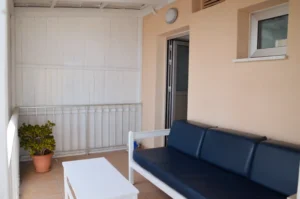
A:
(36, 87)
(97, 33)
(68, 88)
(78, 95)
(63, 60)
(123, 45)
(53, 55)
(89, 85)
(40, 40)
(69, 58)
(19, 86)
(98, 91)
(28, 41)
(113, 81)
(51, 86)
(40, 86)
(18, 35)
(28, 86)
(130, 79)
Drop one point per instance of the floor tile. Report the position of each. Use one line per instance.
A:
(51, 186)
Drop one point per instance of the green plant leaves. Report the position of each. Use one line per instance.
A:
(37, 140)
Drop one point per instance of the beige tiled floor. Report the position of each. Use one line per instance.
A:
(50, 185)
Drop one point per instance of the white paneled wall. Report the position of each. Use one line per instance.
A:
(68, 64)
(76, 59)
(36, 87)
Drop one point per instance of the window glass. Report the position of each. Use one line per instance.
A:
(182, 68)
(272, 32)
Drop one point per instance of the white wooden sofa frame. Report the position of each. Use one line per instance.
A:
(133, 166)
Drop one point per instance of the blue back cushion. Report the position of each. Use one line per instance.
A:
(276, 166)
(229, 151)
(186, 137)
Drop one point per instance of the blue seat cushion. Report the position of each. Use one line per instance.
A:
(197, 179)
(230, 151)
(186, 137)
(276, 165)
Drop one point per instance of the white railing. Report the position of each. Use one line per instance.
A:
(13, 155)
(86, 129)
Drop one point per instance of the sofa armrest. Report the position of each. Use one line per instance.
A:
(148, 134)
(140, 135)
(143, 135)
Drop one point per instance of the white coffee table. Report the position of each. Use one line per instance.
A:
(96, 179)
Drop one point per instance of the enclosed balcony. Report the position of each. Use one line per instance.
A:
(111, 74)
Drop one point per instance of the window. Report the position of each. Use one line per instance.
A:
(269, 30)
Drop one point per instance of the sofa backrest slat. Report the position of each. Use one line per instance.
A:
(230, 151)
(276, 166)
(186, 138)
(272, 164)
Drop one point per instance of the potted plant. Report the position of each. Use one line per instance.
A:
(40, 143)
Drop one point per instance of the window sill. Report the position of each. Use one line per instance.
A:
(281, 57)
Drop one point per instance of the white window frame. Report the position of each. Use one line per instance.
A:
(276, 11)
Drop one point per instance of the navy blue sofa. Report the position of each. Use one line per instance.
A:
(209, 163)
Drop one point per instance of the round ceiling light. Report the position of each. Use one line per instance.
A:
(171, 15)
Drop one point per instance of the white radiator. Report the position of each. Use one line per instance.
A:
(86, 129)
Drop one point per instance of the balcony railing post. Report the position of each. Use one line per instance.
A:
(13, 156)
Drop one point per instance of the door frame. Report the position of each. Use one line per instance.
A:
(171, 79)
(171, 82)
(158, 115)
(178, 34)
(174, 86)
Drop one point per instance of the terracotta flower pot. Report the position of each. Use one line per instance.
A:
(42, 163)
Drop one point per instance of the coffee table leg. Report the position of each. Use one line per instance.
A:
(66, 186)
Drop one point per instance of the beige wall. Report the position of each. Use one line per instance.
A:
(154, 56)
(257, 97)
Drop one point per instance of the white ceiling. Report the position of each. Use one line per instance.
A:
(97, 4)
